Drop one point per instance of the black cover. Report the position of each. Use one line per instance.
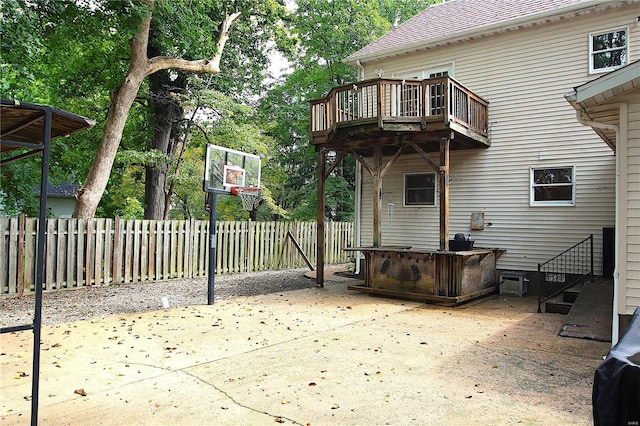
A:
(616, 386)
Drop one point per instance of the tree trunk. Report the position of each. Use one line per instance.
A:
(167, 113)
(89, 195)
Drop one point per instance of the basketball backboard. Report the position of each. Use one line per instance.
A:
(227, 167)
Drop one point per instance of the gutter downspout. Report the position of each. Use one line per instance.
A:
(358, 215)
(358, 195)
(615, 326)
(360, 70)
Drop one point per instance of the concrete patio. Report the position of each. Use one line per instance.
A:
(315, 356)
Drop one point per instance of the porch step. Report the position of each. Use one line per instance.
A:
(562, 304)
(570, 295)
(557, 307)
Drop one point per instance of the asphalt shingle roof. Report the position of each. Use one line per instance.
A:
(460, 17)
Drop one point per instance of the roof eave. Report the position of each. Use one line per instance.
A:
(625, 79)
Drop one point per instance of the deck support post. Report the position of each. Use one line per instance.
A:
(377, 195)
(444, 193)
(320, 218)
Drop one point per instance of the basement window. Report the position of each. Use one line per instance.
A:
(420, 189)
(608, 50)
(553, 186)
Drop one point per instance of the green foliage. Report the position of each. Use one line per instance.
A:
(327, 32)
(339, 199)
(20, 187)
(73, 54)
(131, 209)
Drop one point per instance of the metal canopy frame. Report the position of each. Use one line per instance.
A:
(31, 127)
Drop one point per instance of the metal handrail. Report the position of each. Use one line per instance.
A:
(569, 262)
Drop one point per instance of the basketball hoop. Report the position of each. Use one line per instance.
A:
(249, 196)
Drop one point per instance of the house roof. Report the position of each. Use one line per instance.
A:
(595, 101)
(458, 20)
(64, 189)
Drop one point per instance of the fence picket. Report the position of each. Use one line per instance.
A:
(117, 250)
(61, 253)
(5, 247)
(13, 253)
(21, 257)
(137, 255)
(108, 252)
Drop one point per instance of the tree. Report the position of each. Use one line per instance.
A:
(42, 62)
(170, 91)
(140, 66)
(327, 32)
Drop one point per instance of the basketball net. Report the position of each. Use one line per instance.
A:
(249, 195)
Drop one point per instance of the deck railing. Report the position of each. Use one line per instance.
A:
(388, 100)
(571, 267)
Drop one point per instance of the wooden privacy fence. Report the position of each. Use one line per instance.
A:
(112, 251)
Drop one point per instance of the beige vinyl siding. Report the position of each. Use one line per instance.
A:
(524, 75)
(632, 299)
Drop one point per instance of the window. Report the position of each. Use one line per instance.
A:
(608, 50)
(420, 189)
(553, 186)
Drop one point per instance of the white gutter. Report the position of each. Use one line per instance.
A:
(615, 328)
(589, 123)
(540, 18)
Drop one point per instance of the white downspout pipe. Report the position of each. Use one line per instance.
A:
(358, 214)
(358, 196)
(615, 327)
(360, 70)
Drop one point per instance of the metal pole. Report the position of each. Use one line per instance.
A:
(212, 247)
(41, 261)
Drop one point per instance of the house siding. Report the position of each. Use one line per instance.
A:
(632, 297)
(531, 125)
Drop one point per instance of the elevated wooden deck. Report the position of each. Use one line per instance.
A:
(392, 112)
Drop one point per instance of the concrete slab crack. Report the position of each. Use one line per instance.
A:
(239, 404)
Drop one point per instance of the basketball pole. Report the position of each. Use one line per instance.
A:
(212, 248)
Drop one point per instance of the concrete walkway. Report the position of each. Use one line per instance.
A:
(315, 356)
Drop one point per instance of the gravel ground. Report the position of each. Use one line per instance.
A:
(99, 302)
